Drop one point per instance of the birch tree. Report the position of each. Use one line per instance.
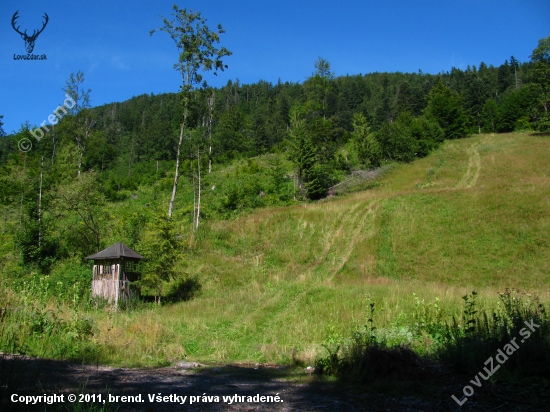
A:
(197, 52)
(210, 102)
(85, 123)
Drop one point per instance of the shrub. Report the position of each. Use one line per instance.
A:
(465, 344)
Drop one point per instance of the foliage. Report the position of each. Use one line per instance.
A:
(195, 44)
(445, 107)
(369, 151)
(37, 243)
(302, 151)
(2, 132)
(397, 141)
(514, 105)
(465, 344)
(82, 198)
(29, 326)
(319, 86)
(489, 116)
(540, 76)
(159, 246)
(74, 89)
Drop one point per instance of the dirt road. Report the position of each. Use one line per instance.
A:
(217, 388)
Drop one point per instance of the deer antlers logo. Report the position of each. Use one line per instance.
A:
(29, 40)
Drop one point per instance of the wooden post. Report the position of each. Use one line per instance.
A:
(117, 286)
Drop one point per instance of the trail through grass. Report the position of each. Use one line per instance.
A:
(472, 215)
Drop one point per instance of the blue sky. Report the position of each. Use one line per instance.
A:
(110, 42)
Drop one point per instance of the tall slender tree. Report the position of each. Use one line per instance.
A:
(540, 76)
(159, 245)
(210, 101)
(84, 121)
(320, 85)
(196, 47)
(2, 132)
(368, 148)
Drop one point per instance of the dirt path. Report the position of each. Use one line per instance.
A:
(36, 377)
(296, 389)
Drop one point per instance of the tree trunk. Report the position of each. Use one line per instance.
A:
(130, 159)
(81, 144)
(53, 142)
(175, 187)
(210, 116)
(199, 188)
(40, 203)
(79, 163)
(21, 210)
(194, 194)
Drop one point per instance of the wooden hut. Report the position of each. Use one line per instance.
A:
(115, 268)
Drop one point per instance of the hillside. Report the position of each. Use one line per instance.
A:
(402, 285)
(471, 215)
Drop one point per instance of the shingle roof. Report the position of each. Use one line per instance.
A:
(116, 251)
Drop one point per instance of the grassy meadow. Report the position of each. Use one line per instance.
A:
(276, 283)
(473, 215)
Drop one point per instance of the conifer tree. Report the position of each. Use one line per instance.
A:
(368, 148)
(159, 246)
(445, 107)
(2, 132)
(540, 76)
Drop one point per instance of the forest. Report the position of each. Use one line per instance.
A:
(311, 135)
(333, 228)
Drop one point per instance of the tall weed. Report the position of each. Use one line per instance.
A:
(463, 343)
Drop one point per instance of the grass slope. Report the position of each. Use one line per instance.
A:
(472, 215)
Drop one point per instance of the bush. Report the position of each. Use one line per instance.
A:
(465, 344)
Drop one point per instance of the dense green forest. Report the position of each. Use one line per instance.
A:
(310, 135)
(440, 184)
(254, 119)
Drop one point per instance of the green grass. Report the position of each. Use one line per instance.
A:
(276, 281)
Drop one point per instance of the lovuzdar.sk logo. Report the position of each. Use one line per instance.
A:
(29, 40)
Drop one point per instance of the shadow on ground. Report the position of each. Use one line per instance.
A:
(298, 390)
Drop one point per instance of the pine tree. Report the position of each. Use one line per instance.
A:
(159, 246)
(302, 151)
(540, 76)
(445, 107)
(368, 148)
(2, 132)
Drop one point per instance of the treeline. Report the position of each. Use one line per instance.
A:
(253, 119)
(55, 197)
